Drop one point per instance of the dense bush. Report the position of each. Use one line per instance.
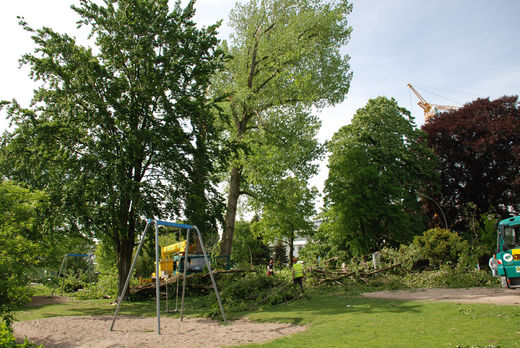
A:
(243, 292)
(439, 246)
(19, 252)
(247, 248)
(438, 258)
(105, 286)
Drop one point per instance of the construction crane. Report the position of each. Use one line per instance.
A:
(431, 109)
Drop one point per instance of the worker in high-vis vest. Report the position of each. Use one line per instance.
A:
(297, 273)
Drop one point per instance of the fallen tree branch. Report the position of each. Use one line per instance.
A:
(325, 271)
(361, 274)
(176, 277)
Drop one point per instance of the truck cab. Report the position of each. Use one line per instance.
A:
(506, 259)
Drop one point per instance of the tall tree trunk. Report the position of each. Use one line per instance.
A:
(124, 261)
(126, 240)
(196, 203)
(231, 211)
(291, 249)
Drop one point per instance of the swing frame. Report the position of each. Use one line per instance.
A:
(64, 262)
(157, 274)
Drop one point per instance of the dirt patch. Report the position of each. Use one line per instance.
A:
(45, 300)
(496, 296)
(141, 332)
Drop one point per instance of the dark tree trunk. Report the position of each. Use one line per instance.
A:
(231, 212)
(291, 249)
(125, 239)
(124, 261)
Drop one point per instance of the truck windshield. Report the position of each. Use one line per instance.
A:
(512, 236)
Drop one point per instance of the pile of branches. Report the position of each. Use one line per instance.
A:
(334, 276)
(199, 283)
(247, 288)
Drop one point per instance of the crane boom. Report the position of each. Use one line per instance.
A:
(430, 109)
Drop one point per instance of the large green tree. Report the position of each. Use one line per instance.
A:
(118, 133)
(288, 214)
(378, 164)
(286, 59)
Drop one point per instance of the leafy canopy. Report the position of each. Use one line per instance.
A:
(378, 164)
(113, 132)
(479, 151)
(289, 214)
(286, 59)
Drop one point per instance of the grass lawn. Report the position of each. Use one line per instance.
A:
(337, 319)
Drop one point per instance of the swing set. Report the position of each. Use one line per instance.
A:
(64, 262)
(188, 228)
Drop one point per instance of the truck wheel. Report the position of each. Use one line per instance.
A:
(505, 283)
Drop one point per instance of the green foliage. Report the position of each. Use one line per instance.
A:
(440, 246)
(74, 281)
(105, 286)
(312, 253)
(248, 249)
(288, 214)
(287, 59)
(18, 251)
(378, 165)
(116, 129)
(253, 290)
(6, 335)
(280, 254)
(446, 277)
(59, 245)
(482, 236)
(105, 256)
(487, 241)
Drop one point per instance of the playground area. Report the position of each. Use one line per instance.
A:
(133, 331)
(92, 331)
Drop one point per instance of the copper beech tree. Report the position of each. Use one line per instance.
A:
(478, 147)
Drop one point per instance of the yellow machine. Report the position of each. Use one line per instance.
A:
(169, 262)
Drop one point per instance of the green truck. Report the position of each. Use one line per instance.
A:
(505, 263)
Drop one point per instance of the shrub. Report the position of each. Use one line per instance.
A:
(6, 335)
(243, 292)
(104, 287)
(439, 246)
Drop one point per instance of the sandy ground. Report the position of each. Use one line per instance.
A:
(496, 296)
(140, 332)
(94, 332)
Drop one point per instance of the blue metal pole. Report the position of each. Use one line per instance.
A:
(157, 279)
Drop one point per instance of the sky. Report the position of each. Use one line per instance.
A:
(452, 51)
